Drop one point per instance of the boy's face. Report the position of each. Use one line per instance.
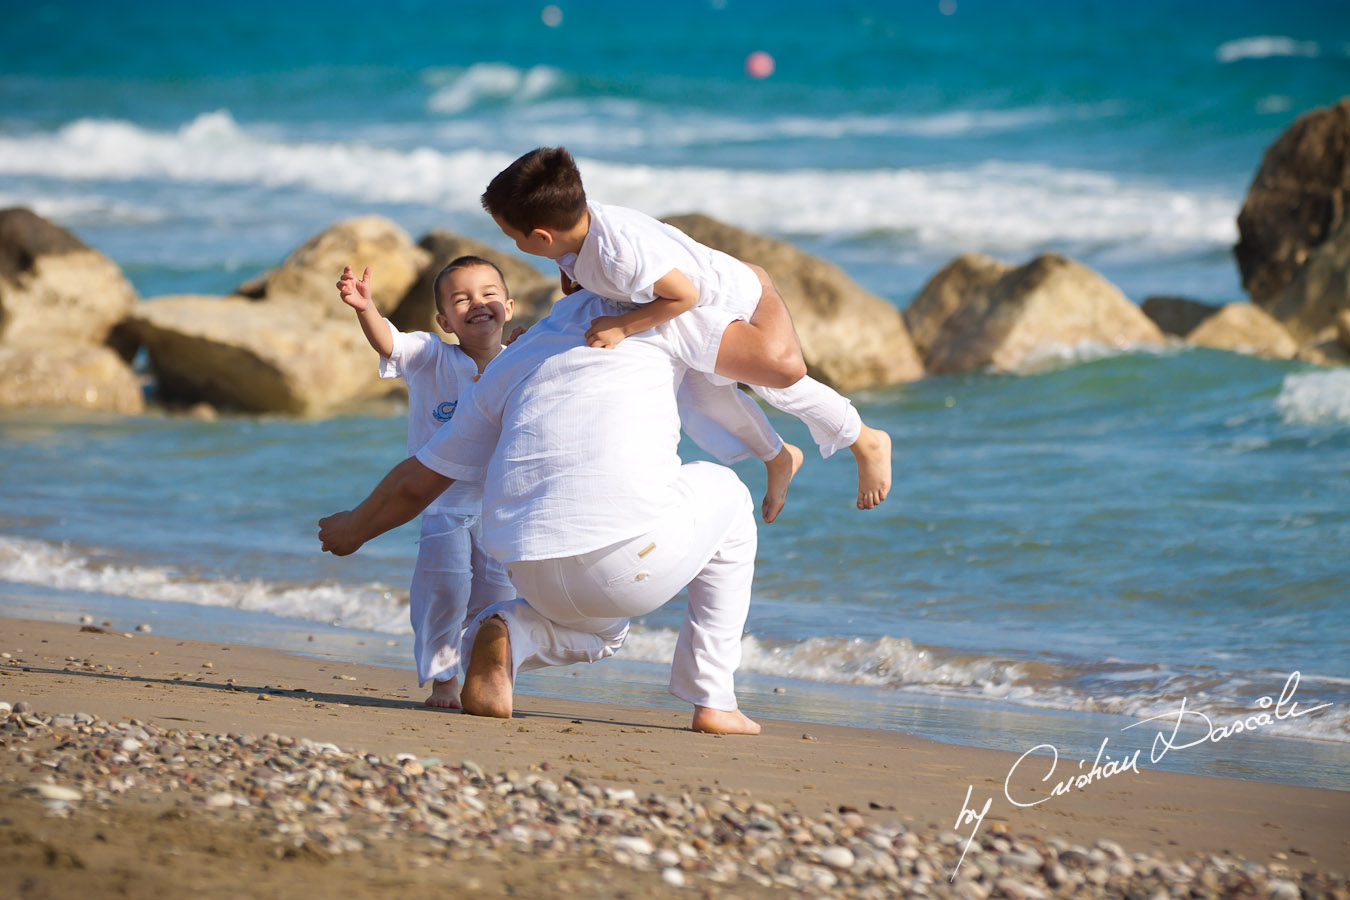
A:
(538, 242)
(473, 304)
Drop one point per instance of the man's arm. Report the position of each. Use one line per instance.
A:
(408, 489)
(675, 294)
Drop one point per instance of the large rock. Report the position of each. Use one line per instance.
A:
(1319, 292)
(308, 277)
(968, 276)
(1046, 305)
(256, 357)
(53, 287)
(81, 376)
(1343, 329)
(1245, 328)
(1177, 316)
(533, 291)
(1298, 199)
(850, 338)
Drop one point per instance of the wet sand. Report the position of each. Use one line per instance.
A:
(887, 786)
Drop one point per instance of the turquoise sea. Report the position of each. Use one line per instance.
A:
(1066, 551)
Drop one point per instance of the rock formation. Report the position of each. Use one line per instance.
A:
(850, 338)
(971, 322)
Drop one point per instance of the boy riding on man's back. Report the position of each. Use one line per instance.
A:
(655, 272)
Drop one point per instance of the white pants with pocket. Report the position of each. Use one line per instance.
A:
(455, 579)
(730, 426)
(576, 609)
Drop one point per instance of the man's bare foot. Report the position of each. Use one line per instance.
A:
(723, 721)
(487, 681)
(872, 450)
(781, 469)
(444, 694)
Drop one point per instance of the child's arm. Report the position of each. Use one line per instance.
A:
(675, 294)
(356, 294)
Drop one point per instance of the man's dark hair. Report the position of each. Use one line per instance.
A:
(464, 262)
(542, 189)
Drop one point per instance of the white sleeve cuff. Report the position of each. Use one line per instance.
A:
(457, 471)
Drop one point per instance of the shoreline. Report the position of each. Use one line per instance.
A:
(979, 723)
(886, 777)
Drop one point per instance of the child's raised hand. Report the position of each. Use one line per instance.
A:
(355, 294)
(606, 332)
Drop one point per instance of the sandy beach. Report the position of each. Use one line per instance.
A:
(180, 823)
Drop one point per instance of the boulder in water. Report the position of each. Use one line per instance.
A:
(1245, 328)
(53, 287)
(1024, 314)
(68, 375)
(850, 338)
(1298, 199)
(1177, 316)
(256, 357)
(308, 277)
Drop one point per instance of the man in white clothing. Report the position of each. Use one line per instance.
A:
(588, 504)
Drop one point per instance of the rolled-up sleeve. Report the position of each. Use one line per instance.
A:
(463, 447)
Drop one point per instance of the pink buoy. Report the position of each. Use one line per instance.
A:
(759, 64)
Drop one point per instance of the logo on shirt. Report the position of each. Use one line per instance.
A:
(445, 411)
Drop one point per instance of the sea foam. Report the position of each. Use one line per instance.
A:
(1263, 47)
(370, 607)
(1314, 398)
(887, 663)
(456, 90)
(992, 206)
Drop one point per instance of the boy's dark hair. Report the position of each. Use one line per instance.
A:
(542, 189)
(463, 262)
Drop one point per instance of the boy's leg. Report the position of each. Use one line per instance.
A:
(835, 424)
(765, 351)
(441, 586)
(731, 427)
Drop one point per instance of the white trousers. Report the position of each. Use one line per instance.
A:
(730, 426)
(576, 609)
(454, 580)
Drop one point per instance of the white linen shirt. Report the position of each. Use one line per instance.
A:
(576, 445)
(626, 252)
(440, 377)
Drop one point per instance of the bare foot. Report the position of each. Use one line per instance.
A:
(487, 681)
(781, 469)
(444, 694)
(723, 721)
(872, 450)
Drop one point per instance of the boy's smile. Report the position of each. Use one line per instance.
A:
(473, 305)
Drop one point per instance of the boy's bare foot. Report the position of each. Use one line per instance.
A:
(781, 469)
(872, 450)
(723, 721)
(487, 681)
(444, 694)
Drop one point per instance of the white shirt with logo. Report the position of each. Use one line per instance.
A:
(440, 377)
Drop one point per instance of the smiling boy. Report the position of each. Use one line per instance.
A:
(454, 577)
